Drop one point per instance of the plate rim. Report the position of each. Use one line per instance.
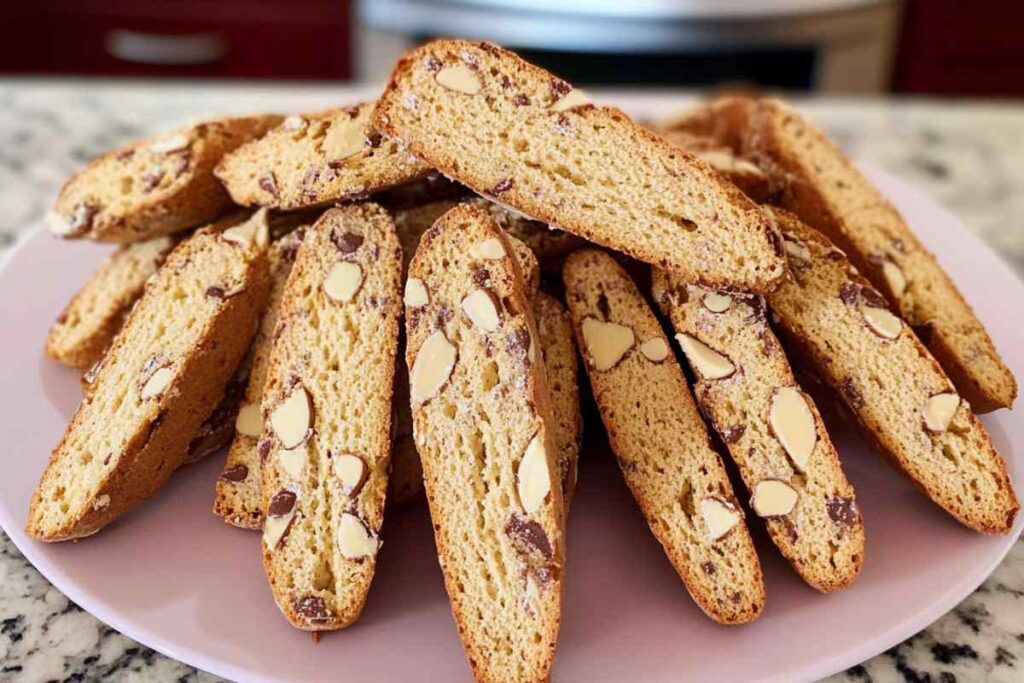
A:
(894, 635)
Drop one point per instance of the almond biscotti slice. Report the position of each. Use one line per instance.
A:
(558, 351)
(485, 431)
(162, 377)
(514, 132)
(827, 192)
(157, 186)
(894, 388)
(746, 390)
(317, 159)
(326, 411)
(94, 315)
(660, 441)
(239, 491)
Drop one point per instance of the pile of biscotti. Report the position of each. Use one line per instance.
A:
(484, 220)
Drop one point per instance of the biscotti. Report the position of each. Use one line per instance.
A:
(317, 159)
(890, 383)
(162, 377)
(746, 390)
(549, 244)
(238, 496)
(326, 411)
(157, 186)
(738, 171)
(406, 481)
(485, 432)
(817, 183)
(94, 315)
(515, 133)
(558, 351)
(660, 441)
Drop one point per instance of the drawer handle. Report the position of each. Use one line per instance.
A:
(166, 50)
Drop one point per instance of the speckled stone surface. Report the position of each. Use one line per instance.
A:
(968, 156)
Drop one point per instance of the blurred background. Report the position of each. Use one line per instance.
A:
(940, 47)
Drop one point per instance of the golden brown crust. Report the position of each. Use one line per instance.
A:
(510, 141)
(886, 377)
(122, 444)
(483, 433)
(156, 186)
(659, 439)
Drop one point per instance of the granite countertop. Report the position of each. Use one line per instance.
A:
(967, 156)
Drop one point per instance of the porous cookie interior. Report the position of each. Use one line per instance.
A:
(239, 490)
(822, 537)
(498, 527)
(94, 315)
(660, 440)
(326, 415)
(516, 133)
(315, 159)
(887, 378)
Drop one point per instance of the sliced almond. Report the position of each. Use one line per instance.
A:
(490, 249)
(655, 349)
(574, 98)
(249, 421)
(607, 343)
(343, 281)
(881, 321)
(293, 460)
(174, 143)
(793, 424)
(716, 302)
(533, 478)
(59, 224)
(294, 123)
(344, 138)
(773, 498)
(719, 516)
(796, 248)
(432, 368)
(416, 293)
(938, 411)
(351, 472)
(280, 514)
(354, 540)
(253, 232)
(156, 383)
(460, 78)
(292, 419)
(479, 307)
(894, 277)
(710, 364)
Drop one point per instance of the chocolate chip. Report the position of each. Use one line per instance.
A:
(873, 298)
(432, 63)
(373, 139)
(308, 182)
(849, 293)
(528, 536)
(347, 242)
(268, 183)
(352, 112)
(788, 525)
(505, 82)
(282, 503)
(559, 88)
(521, 100)
(489, 48)
(263, 448)
(480, 276)
(502, 186)
(852, 394)
(708, 567)
(235, 473)
(517, 343)
(925, 332)
(842, 510)
(444, 315)
(312, 608)
(733, 434)
(215, 292)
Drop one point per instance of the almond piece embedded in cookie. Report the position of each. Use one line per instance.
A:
(705, 360)
(881, 321)
(719, 516)
(490, 249)
(773, 498)
(355, 541)
(344, 139)
(280, 514)
(574, 98)
(292, 420)
(253, 232)
(716, 302)
(655, 349)
(249, 420)
(533, 477)
(938, 411)
(351, 472)
(793, 424)
(607, 343)
(293, 461)
(343, 281)
(415, 293)
(432, 368)
(460, 78)
(157, 382)
(479, 307)
(894, 277)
